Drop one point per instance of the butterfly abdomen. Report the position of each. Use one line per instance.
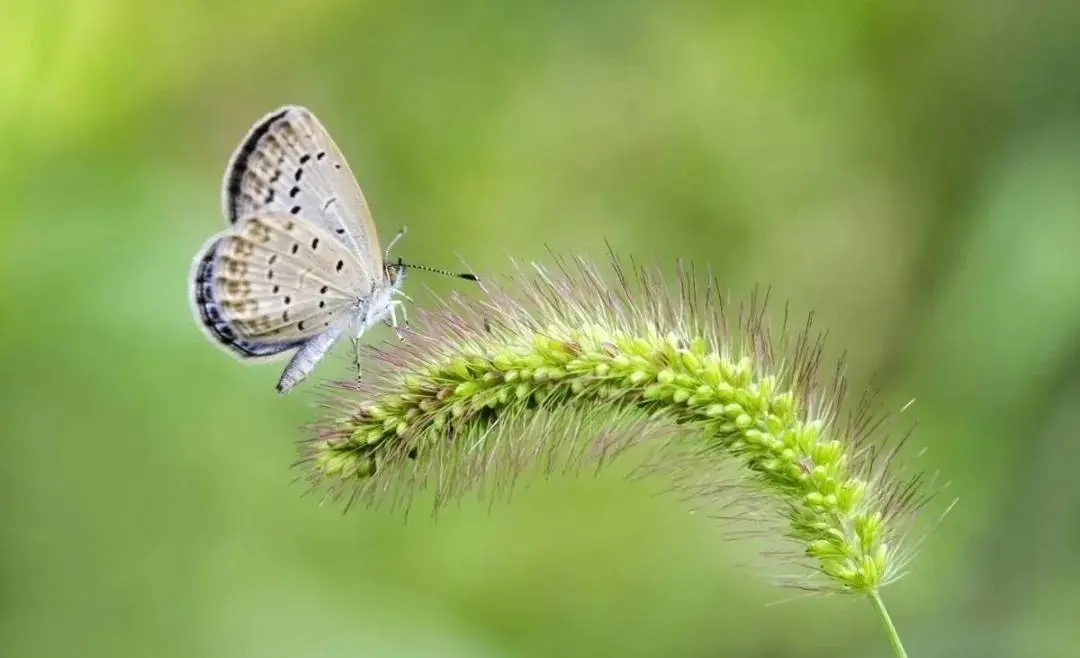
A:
(307, 357)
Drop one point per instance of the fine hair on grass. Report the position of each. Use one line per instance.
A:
(568, 367)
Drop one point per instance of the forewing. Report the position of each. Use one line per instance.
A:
(274, 280)
(289, 164)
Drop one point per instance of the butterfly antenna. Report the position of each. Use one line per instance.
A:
(457, 275)
(401, 231)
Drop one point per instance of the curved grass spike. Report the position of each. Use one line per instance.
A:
(562, 367)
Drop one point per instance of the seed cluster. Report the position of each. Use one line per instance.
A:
(465, 377)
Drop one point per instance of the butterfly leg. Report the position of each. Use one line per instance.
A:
(400, 305)
(393, 241)
(356, 358)
(397, 330)
(392, 321)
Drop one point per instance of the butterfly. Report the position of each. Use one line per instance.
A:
(299, 265)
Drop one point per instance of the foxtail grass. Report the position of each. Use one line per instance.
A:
(571, 366)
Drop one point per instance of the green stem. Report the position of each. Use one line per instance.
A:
(890, 629)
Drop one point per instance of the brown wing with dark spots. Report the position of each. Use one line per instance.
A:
(288, 164)
(272, 282)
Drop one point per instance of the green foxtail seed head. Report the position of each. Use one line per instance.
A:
(562, 367)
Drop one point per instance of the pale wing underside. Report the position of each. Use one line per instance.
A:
(272, 282)
(288, 164)
(210, 316)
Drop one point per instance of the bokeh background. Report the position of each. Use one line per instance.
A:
(908, 170)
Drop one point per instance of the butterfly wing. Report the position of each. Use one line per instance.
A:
(272, 282)
(288, 164)
(212, 318)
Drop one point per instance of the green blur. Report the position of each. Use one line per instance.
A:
(908, 170)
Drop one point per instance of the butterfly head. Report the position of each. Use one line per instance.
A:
(395, 273)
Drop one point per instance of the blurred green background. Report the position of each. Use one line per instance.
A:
(909, 170)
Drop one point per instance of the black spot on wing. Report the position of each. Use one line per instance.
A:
(209, 309)
(240, 160)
